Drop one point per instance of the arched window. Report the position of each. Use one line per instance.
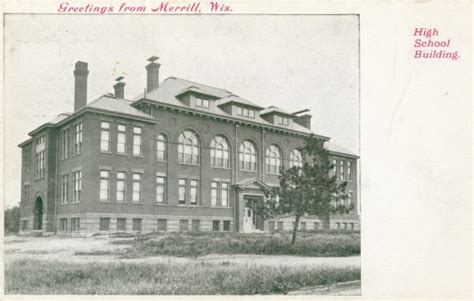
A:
(296, 159)
(219, 152)
(161, 148)
(188, 148)
(273, 159)
(248, 156)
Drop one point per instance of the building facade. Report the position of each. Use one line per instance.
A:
(180, 157)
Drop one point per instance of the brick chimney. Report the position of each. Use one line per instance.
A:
(304, 120)
(119, 88)
(152, 78)
(80, 85)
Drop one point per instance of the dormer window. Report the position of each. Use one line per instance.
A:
(281, 120)
(245, 112)
(203, 103)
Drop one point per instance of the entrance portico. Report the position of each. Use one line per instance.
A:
(249, 193)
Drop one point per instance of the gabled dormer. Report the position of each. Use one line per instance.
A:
(196, 97)
(239, 107)
(277, 116)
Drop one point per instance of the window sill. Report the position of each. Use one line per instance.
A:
(138, 156)
(161, 161)
(70, 203)
(136, 203)
(189, 164)
(122, 154)
(224, 168)
(245, 170)
(106, 152)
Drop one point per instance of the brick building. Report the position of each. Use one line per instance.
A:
(182, 156)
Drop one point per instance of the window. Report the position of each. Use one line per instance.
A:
(162, 225)
(226, 226)
(196, 225)
(104, 224)
(64, 188)
(121, 224)
(193, 192)
(352, 226)
(281, 120)
(160, 189)
(63, 224)
(273, 159)
(214, 193)
(137, 141)
(105, 137)
(344, 226)
(104, 185)
(161, 148)
(349, 171)
(338, 226)
(188, 148)
(303, 226)
(248, 156)
(26, 159)
(204, 103)
(75, 224)
(26, 198)
(349, 199)
(137, 187)
(182, 191)
(78, 138)
(224, 194)
(296, 158)
(219, 152)
(40, 151)
(334, 167)
(245, 112)
(280, 226)
(121, 139)
(316, 225)
(137, 224)
(24, 225)
(271, 226)
(77, 186)
(215, 225)
(341, 169)
(65, 144)
(183, 225)
(121, 180)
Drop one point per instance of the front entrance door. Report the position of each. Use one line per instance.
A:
(248, 225)
(38, 214)
(252, 220)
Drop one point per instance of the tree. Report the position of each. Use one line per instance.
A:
(312, 189)
(12, 220)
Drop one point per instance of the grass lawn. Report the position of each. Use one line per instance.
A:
(39, 277)
(189, 244)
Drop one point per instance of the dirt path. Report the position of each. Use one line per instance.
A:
(63, 249)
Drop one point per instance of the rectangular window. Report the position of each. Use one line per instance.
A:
(78, 138)
(40, 151)
(121, 224)
(104, 224)
(162, 225)
(271, 226)
(105, 137)
(75, 224)
(226, 226)
(26, 197)
(334, 167)
(316, 225)
(252, 113)
(183, 225)
(204, 103)
(137, 141)
(349, 199)
(198, 102)
(196, 225)
(63, 224)
(77, 186)
(137, 188)
(193, 192)
(137, 224)
(349, 171)
(104, 185)
(214, 192)
(215, 225)
(65, 144)
(245, 112)
(303, 226)
(160, 189)
(239, 111)
(64, 188)
(182, 191)
(26, 159)
(24, 225)
(224, 194)
(121, 139)
(280, 226)
(121, 180)
(341, 169)
(161, 148)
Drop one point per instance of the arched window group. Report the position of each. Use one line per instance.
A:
(188, 148)
(273, 159)
(248, 156)
(296, 158)
(220, 152)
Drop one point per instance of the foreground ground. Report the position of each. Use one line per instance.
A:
(107, 265)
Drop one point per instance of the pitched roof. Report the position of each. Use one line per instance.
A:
(274, 109)
(117, 105)
(334, 148)
(167, 92)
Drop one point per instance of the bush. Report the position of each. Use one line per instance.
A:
(12, 220)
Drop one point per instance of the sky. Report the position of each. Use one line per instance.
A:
(292, 62)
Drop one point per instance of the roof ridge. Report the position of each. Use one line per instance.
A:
(194, 82)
